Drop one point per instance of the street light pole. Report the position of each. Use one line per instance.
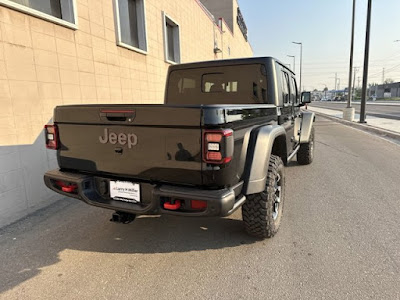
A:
(301, 59)
(334, 89)
(348, 112)
(353, 89)
(326, 87)
(366, 60)
(335, 84)
(294, 62)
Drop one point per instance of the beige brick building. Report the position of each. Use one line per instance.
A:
(57, 52)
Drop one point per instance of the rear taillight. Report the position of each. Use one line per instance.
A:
(51, 136)
(217, 146)
(198, 204)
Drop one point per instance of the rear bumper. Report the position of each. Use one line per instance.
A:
(94, 191)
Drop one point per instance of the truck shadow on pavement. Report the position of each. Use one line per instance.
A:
(38, 241)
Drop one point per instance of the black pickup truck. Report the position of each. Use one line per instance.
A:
(219, 142)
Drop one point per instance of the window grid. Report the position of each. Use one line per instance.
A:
(131, 25)
(171, 40)
(68, 11)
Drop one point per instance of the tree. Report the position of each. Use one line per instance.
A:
(325, 89)
(388, 81)
(370, 85)
(357, 94)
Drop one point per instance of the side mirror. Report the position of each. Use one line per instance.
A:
(305, 97)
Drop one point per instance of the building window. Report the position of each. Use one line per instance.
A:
(131, 20)
(58, 11)
(171, 40)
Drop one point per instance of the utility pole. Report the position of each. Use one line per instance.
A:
(354, 81)
(294, 62)
(301, 58)
(358, 85)
(335, 84)
(366, 61)
(383, 75)
(348, 112)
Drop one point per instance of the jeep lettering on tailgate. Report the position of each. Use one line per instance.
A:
(120, 138)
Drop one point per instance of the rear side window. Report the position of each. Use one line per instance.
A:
(285, 88)
(239, 84)
(294, 93)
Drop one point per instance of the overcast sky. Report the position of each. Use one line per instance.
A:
(324, 28)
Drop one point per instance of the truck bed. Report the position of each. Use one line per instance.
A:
(153, 143)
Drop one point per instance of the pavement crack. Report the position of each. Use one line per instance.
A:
(337, 149)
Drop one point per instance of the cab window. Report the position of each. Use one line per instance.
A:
(231, 84)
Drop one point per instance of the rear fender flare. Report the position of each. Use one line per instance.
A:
(306, 126)
(261, 142)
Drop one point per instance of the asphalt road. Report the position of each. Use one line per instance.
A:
(373, 108)
(339, 239)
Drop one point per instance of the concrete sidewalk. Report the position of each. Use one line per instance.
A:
(381, 126)
(388, 103)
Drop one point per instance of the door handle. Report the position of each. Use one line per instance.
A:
(118, 115)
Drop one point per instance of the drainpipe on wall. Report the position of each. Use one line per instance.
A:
(215, 42)
(222, 42)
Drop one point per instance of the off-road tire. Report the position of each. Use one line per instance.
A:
(305, 155)
(259, 209)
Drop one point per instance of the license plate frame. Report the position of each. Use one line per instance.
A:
(125, 191)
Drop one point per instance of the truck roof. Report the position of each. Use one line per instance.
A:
(227, 62)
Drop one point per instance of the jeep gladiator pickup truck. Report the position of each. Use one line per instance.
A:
(219, 142)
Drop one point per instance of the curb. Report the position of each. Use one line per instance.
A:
(364, 127)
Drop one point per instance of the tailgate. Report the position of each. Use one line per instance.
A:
(146, 142)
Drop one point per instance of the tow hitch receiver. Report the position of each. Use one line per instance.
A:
(122, 217)
(67, 187)
(172, 204)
